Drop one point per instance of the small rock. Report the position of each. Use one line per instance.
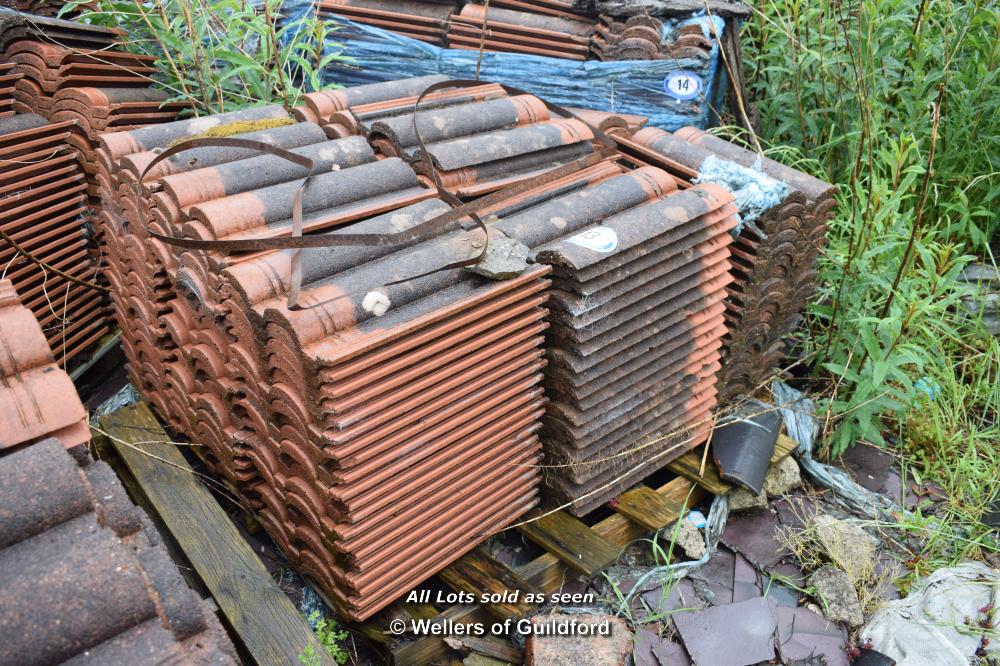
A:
(689, 539)
(783, 477)
(575, 649)
(849, 546)
(742, 499)
(505, 258)
(836, 595)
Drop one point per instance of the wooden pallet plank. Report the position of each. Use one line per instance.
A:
(264, 618)
(548, 574)
(645, 506)
(689, 466)
(578, 546)
(545, 573)
(499, 651)
(478, 573)
(429, 649)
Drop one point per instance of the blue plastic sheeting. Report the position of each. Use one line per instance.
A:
(628, 86)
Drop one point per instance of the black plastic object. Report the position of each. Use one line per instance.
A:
(742, 449)
(869, 657)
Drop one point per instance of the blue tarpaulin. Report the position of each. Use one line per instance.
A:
(630, 86)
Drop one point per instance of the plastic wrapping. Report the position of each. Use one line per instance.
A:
(628, 86)
(800, 422)
(657, 576)
(755, 191)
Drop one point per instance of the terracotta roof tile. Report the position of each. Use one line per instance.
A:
(84, 573)
(37, 399)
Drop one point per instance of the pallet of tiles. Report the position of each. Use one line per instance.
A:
(514, 31)
(640, 271)
(343, 429)
(478, 140)
(41, 210)
(773, 274)
(423, 21)
(74, 71)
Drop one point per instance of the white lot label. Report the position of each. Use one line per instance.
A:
(598, 239)
(682, 84)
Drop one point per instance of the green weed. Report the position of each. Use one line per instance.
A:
(221, 55)
(891, 100)
(329, 637)
(896, 102)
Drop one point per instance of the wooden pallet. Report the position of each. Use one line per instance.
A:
(250, 600)
(572, 549)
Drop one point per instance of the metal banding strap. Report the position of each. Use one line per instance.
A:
(420, 232)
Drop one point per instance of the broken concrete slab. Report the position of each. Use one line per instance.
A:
(888, 567)
(748, 628)
(651, 649)
(505, 258)
(846, 544)
(669, 653)
(790, 572)
(642, 648)
(552, 649)
(779, 593)
(898, 490)
(795, 511)
(680, 597)
(836, 595)
(803, 634)
(756, 537)
(783, 477)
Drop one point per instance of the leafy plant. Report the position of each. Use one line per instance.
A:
(329, 637)
(887, 98)
(221, 55)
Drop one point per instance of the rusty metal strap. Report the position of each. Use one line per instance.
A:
(418, 233)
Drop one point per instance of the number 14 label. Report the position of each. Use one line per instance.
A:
(682, 85)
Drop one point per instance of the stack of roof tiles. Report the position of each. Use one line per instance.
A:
(642, 38)
(626, 387)
(552, 28)
(515, 31)
(72, 71)
(86, 577)
(84, 574)
(8, 77)
(37, 399)
(564, 8)
(425, 21)
(477, 139)
(383, 430)
(773, 276)
(41, 7)
(42, 198)
(639, 277)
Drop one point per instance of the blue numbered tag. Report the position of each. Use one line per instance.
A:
(682, 84)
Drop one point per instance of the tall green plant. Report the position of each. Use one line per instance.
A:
(896, 101)
(221, 55)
